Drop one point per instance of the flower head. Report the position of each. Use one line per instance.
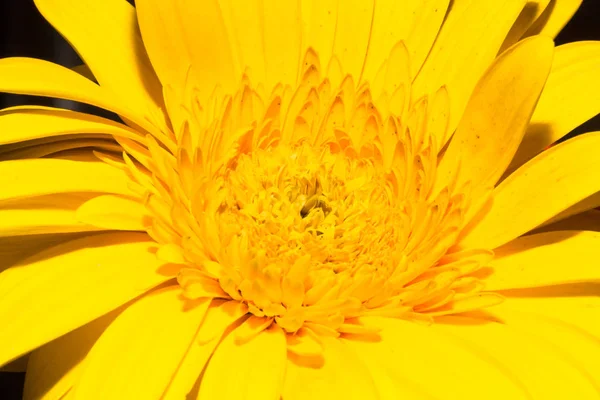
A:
(302, 199)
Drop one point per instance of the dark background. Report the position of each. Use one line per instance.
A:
(24, 33)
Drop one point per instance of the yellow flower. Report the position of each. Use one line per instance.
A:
(317, 199)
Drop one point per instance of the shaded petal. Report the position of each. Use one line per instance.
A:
(67, 286)
(57, 146)
(44, 214)
(114, 212)
(138, 353)
(342, 372)
(554, 18)
(492, 127)
(531, 12)
(259, 367)
(585, 221)
(106, 37)
(544, 259)
(544, 372)
(422, 354)
(56, 366)
(221, 318)
(28, 123)
(571, 97)
(35, 177)
(548, 184)
(42, 78)
(469, 40)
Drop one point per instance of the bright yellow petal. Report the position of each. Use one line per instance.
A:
(554, 18)
(175, 33)
(539, 190)
(221, 318)
(531, 12)
(114, 212)
(71, 284)
(45, 214)
(56, 366)
(577, 346)
(42, 78)
(105, 35)
(586, 204)
(576, 304)
(28, 123)
(469, 40)
(571, 97)
(258, 372)
(545, 259)
(435, 363)
(342, 372)
(35, 177)
(137, 354)
(544, 372)
(492, 127)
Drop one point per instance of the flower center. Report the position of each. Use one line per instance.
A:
(312, 206)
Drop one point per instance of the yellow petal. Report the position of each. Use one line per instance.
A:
(42, 78)
(114, 212)
(577, 346)
(69, 285)
(544, 259)
(585, 221)
(586, 204)
(174, 34)
(14, 249)
(60, 147)
(137, 354)
(576, 304)
(492, 127)
(435, 363)
(254, 369)
(529, 15)
(342, 372)
(543, 372)
(571, 97)
(554, 18)
(468, 41)
(539, 190)
(105, 35)
(18, 365)
(35, 177)
(221, 319)
(28, 123)
(44, 214)
(56, 366)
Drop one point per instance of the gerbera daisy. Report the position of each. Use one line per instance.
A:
(303, 200)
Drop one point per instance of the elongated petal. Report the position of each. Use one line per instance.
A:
(50, 214)
(29, 123)
(71, 284)
(545, 259)
(554, 18)
(42, 78)
(105, 35)
(470, 38)
(113, 212)
(259, 372)
(56, 366)
(532, 11)
(174, 34)
(571, 97)
(422, 355)
(492, 127)
(585, 221)
(539, 190)
(543, 371)
(221, 319)
(342, 372)
(118, 366)
(36, 177)
(60, 147)
(586, 204)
